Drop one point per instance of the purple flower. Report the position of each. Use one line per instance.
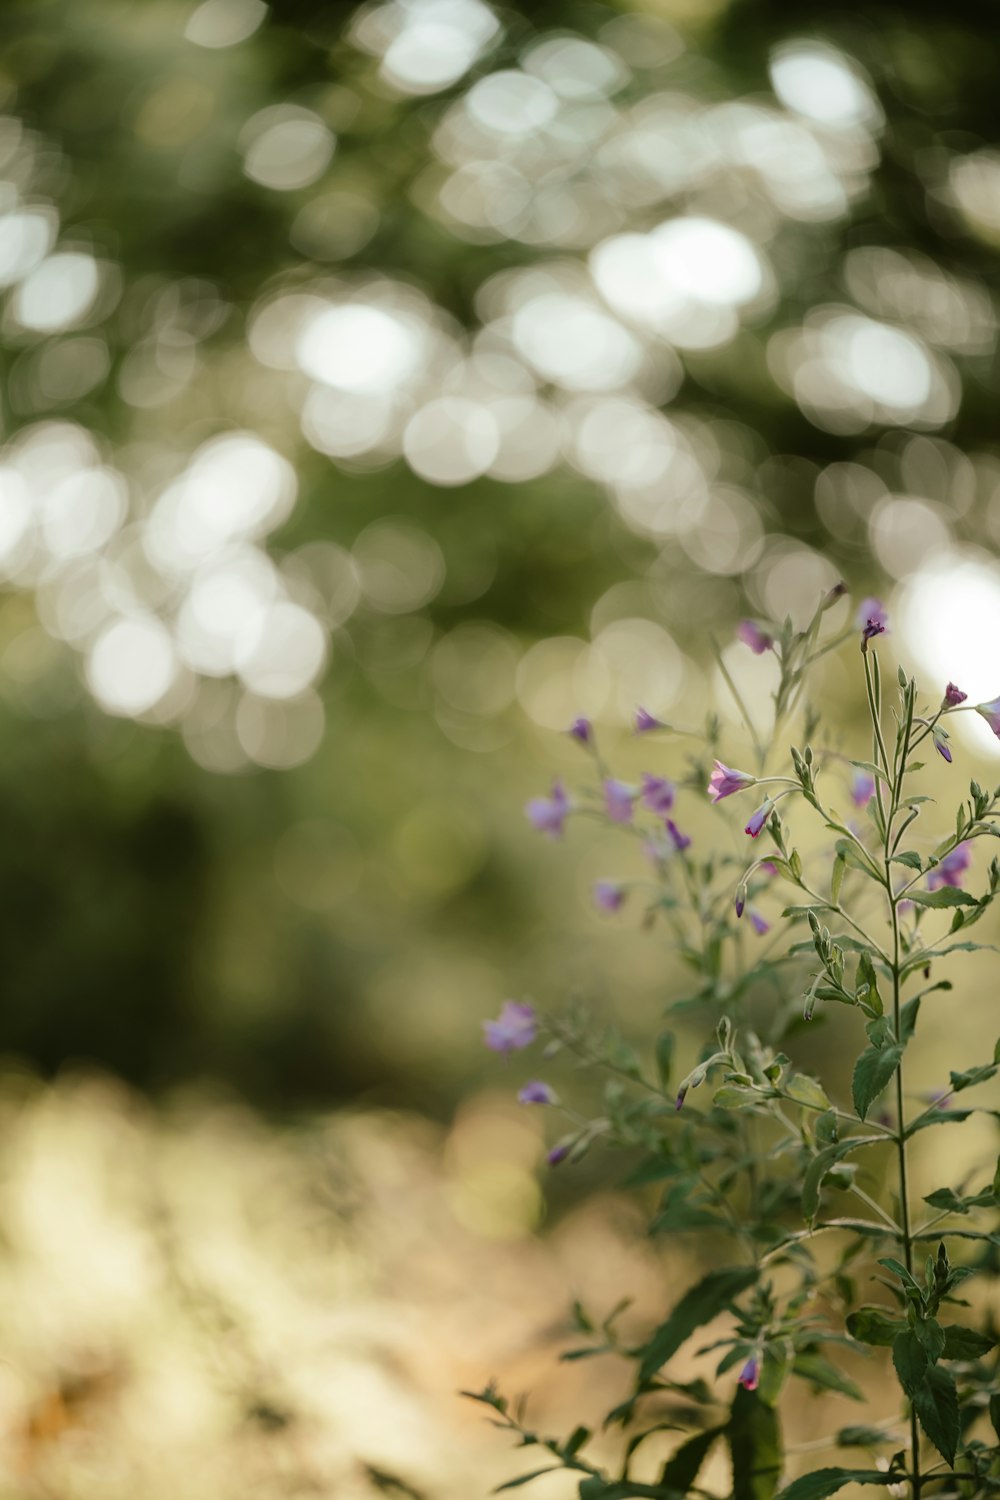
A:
(766, 867)
(680, 841)
(558, 1153)
(759, 924)
(953, 696)
(679, 1101)
(862, 788)
(618, 799)
(872, 629)
(941, 744)
(657, 793)
(644, 720)
(759, 818)
(750, 1374)
(741, 900)
(951, 869)
(548, 814)
(751, 635)
(724, 781)
(514, 1028)
(581, 730)
(609, 895)
(537, 1092)
(872, 611)
(991, 713)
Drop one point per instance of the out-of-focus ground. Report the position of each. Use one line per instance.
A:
(194, 1302)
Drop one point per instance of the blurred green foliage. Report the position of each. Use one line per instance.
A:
(340, 927)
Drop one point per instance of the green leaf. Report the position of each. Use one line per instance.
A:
(966, 1343)
(755, 1445)
(805, 1090)
(872, 1072)
(908, 857)
(908, 1016)
(664, 1057)
(699, 1305)
(818, 1370)
(938, 1117)
(948, 895)
(681, 1470)
(972, 1076)
(867, 984)
(821, 1164)
(931, 1336)
(837, 879)
(931, 1391)
(871, 1325)
(515, 1484)
(947, 1199)
(823, 1482)
(862, 1437)
(730, 1096)
(936, 1405)
(995, 1413)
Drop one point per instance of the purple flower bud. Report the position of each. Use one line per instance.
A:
(759, 818)
(548, 814)
(750, 1374)
(618, 799)
(514, 1028)
(679, 1101)
(767, 867)
(609, 895)
(724, 781)
(741, 900)
(751, 635)
(991, 713)
(951, 868)
(872, 611)
(657, 793)
(581, 730)
(953, 696)
(872, 629)
(537, 1092)
(941, 744)
(680, 841)
(558, 1153)
(759, 924)
(837, 592)
(862, 788)
(644, 721)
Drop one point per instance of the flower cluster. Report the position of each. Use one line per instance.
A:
(756, 1157)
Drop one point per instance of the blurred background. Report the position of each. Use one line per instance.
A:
(385, 385)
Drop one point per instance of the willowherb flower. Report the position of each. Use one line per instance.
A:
(558, 1153)
(657, 793)
(644, 720)
(759, 818)
(609, 895)
(751, 635)
(991, 713)
(537, 1092)
(750, 1374)
(951, 868)
(872, 628)
(872, 611)
(548, 814)
(680, 841)
(741, 899)
(581, 730)
(862, 787)
(941, 744)
(618, 799)
(759, 924)
(724, 781)
(953, 696)
(514, 1028)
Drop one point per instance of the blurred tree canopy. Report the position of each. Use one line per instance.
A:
(381, 383)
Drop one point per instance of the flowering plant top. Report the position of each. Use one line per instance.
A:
(827, 1248)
